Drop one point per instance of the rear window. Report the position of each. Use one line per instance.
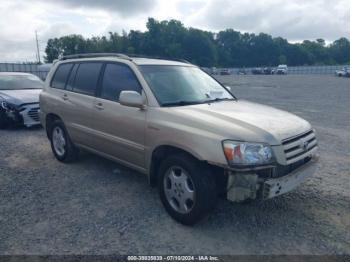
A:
(86, 78)
(72, 77)
(61, 75)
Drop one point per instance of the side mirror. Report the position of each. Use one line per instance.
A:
(131, 98)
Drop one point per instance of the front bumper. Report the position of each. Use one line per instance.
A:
(27, 114)
(30, 115)
(252, 185)
(277, 186)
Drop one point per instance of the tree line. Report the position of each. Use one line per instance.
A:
(228, 48)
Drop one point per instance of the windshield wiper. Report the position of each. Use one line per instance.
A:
(183, 103)
(220, 99)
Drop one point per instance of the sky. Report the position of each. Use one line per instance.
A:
(294, 20)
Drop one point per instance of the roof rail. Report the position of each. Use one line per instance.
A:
(122, 56)
(159, 57)
(92, 55)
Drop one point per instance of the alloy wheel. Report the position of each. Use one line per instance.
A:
(179, 189)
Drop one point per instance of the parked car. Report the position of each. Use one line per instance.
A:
(281, 70)
(257, 71)
(19, 99)
(241, 72)
(343, 72)
(225, 72)
(268, 71)
(182, 128)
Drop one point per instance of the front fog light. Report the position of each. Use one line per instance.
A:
(240, 153)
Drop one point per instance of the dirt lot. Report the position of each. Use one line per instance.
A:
(97, 207)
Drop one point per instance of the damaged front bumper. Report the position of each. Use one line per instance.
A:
(269, 183)
(26, 114)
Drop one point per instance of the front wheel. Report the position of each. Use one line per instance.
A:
(61, 144)
(187, 188)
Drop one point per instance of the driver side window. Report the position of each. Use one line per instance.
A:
(118, 78)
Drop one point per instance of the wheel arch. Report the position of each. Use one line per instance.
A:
(160, 153)
(49, 120)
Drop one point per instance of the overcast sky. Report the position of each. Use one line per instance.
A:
(292, 19)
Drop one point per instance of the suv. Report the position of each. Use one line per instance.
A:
(171, 121)
(282, 70)
(345, 71)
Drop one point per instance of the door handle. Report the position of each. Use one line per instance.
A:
(65, 97)
(99, 106)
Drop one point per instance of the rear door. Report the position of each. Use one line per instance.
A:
(121, 129)
(80, 94)
(56, 97)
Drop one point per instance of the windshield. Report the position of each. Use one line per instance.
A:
(183, 85)
(18, 82)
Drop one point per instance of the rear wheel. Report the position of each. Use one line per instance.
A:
(186, 187)
(61, 144)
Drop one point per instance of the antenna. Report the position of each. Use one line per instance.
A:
(37, 46)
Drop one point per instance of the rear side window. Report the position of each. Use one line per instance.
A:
(86, 78)
(72, 77)
(118, 78)
(60, 78)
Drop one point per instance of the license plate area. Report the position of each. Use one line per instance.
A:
(277, 186)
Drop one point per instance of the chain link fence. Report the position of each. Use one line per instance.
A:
(39, 70)
(293, 70)
(42, 70)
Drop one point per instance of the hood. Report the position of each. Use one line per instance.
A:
(245, 121)
(19, 97)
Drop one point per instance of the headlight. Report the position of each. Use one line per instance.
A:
(247, 154)
(7, 106)
(4, 105)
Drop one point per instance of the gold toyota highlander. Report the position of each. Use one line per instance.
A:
(183, 129)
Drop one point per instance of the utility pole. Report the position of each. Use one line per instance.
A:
(37, 46)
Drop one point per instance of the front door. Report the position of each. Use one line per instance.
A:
(121, 129)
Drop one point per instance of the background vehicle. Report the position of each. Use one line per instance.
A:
(225, 72)
(281, 70)
(257, 71)
(268, 71)
(176, 124)
(343, 72)
(19, 99)
(241, 71)
(262, 71)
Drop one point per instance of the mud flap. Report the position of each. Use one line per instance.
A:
(241, 187)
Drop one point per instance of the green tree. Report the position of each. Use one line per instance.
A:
(340, 50)
(228, 48)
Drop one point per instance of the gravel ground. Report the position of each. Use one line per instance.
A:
(95, 206)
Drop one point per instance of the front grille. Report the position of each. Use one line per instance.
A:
(33, 113)
(299, 147)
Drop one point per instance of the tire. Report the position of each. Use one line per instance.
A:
(61, 144)
(3, 120)
(187, 189)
